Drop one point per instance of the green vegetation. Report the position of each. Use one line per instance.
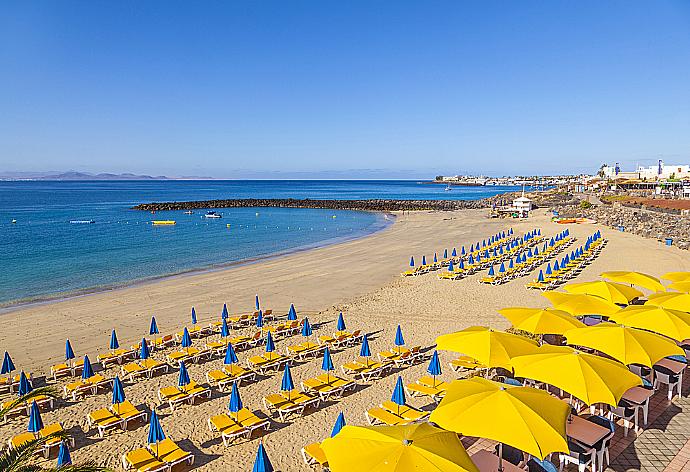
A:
(585, 205)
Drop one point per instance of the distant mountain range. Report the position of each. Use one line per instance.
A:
(73, 175)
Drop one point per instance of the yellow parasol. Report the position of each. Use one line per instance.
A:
(590, 378)
(396, 448)
(672, 323)
(541, 320)
(670, 300)
(581, 304)
(627, 345)
(676, 276)
(611, 291)
(488, 347)
(526, 418)
(683, 286)
(635, 278)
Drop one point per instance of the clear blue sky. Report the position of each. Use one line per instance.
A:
(233, 88)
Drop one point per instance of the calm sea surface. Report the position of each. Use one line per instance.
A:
(43, 255)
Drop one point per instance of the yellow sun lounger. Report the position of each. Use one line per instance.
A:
(169, 452)
(305, 350)
(64, 369)
(163, 342)
(104, 419)
(314, 456)
(277, 404)
(128, 412)
(195, 390)
(366, 371)
(143, 461)
(267, 362)
(404, 411)
(173, 396)
(327, 386)
(83, 387)
(22, 438)
(378, 415)
(224, 378)
(115, 356)
(228, 428)
(142, 368)
(427, 386)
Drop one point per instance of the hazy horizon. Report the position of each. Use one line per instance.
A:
(398, 90)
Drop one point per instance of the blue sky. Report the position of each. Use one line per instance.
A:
(370, 88)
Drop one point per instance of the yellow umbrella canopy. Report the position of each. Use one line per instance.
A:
(683, 286)
(672, 323)
(396, 448)
(635, 278)
(670, 300)
(627, 345)
(581, 304)
(592, 379)
(676, 276)
(541, 320)
(611, 291)
(488, 347)
(523, 417)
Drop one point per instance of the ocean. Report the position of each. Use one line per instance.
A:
(45, 256)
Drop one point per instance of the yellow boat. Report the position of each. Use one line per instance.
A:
(163, 222)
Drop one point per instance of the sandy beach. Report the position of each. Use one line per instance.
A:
(359, 278)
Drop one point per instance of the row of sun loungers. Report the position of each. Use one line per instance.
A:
(175, 395)
(164, 455)
(237, 425)
(571, 270)
(115, 416)
(47, 430)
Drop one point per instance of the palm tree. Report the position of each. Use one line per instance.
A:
(21, 458)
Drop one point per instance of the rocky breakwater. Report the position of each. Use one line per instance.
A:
(647, 223)
(364, 205)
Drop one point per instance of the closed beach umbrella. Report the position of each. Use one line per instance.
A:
(235, 403)
(286, 384)
(681, 286)
(536, 251)
(398, 396)
(262, 463)
(63, 458)
(635, 278)
(327, 363)
(676, 276)
(306, 328)
(435, 258)
(69, 352)
(114, 344)
(592, 379)
(461, 265)
(490, 348)
(24, 385)
(35, 421)
(256, 302)
(411, 261)
(230, 356)
(670, 301)
(193, 316)
(614, 292)
(526, 418)
(450, 266)
(224, 329)
(186, 339)
(423, 260)
(224, 313)
(672, 323)
(87, 370)
(270, 346)
(339, 424)
(183, 376)
(491, 271)
(471, 259)
(260, 320)
(445, 253)
(364, 351)
(399, 340)
(153, 329)
(502, 268)
(548, 269)
(341, 322)
(419, 447)
(144, 352)
(292, 314)
(434, 365)
(541, 320)
(581, 304)
(118, 391)
(555, 265)
(455, 253)
(627, 345)
(156, 433)
(540, 277)
(510, 264)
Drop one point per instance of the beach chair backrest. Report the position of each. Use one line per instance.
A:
(357, 333)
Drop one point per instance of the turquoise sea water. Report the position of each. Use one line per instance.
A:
(43, 255)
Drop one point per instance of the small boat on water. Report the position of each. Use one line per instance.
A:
(212, 214)
(81, 222)
(14, 222)
(163, 222)
(189, 212)
(448, 188)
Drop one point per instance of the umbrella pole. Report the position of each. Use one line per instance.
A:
(500, 457)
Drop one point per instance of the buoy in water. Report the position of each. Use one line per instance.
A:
(227, 225)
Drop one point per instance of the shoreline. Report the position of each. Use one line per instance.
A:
(18, 304)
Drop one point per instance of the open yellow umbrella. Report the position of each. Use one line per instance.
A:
(676, 276)
(635, 278)
(683, 286)
(627, 345)
(670, 300)
(672, 323)
(592, 379)
(396, 448)
(523, 417)
(488, 347)
(541, 320)
(581, 304)
(611, 291)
